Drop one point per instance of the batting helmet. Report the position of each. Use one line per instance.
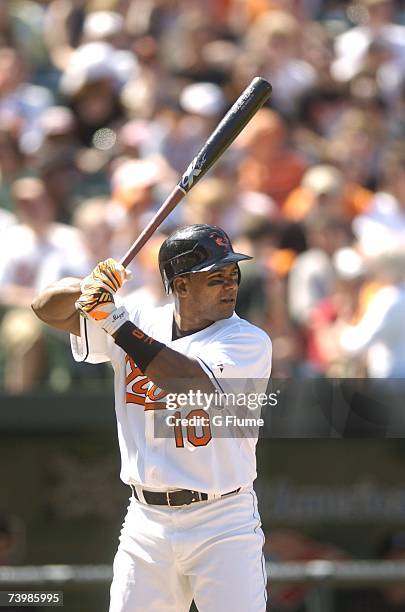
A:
(195, 248)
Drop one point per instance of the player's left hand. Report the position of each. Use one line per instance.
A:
(108, 274)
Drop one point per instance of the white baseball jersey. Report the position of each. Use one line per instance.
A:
(228, 349)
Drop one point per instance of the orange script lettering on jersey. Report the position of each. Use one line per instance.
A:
(136, 383)
(140, 390)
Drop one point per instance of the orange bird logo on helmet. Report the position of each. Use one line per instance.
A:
(220, 241)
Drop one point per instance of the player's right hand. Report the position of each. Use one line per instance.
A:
(108, 275)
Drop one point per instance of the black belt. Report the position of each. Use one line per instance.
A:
(180, 497)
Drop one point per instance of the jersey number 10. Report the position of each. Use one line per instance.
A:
(181, 424)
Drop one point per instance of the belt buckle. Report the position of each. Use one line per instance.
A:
(168, 497)
(196, 496)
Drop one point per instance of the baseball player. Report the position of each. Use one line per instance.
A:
(192, 528)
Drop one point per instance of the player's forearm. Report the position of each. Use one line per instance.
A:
(56, 305)
(169, 369)
(176, 373)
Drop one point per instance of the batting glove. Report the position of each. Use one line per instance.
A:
(96, 302)
(108, 274)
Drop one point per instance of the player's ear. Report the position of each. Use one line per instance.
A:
(181, 286)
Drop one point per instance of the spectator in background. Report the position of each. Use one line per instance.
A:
(21, 27)
(274, 41)
(379, 335)
(382, 227)
(214, 201)
(21, 102)
(259, 239)
(105, 26)
(356, 145)
(69, 171)
(35, 251)
(186, 128)
(184, 44)
(133, 184)
(324, 354)
(312, 275)
(12, 164)
(61, 176)
(326, 186)
(322, 188)
(92, 218)
(317, 49)
(92, 82)
(376, 26)
(58, 128)
(269, 165)
(152, 292)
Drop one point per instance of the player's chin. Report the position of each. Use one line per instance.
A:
(226, 309)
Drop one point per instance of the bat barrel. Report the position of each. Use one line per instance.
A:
(245, 107)
(248, 103)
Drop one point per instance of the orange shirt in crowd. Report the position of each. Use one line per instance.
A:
(276, 177)
(300, 201)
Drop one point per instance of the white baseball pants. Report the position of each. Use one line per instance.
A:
(210, 551)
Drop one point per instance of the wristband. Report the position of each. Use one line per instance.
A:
(114, 321)
(136, 344)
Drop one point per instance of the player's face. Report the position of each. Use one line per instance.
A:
(211, 296)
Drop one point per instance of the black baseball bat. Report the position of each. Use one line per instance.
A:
(242, 111)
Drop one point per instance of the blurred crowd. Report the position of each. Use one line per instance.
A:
(103, 103)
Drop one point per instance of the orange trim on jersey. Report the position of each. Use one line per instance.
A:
(155, 406)
(131, 398)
